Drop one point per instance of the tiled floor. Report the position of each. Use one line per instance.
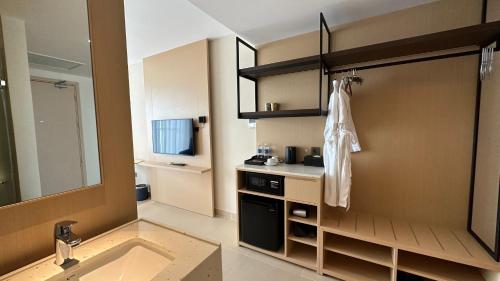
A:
(238, 264)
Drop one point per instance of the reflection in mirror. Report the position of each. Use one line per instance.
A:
(48, 132)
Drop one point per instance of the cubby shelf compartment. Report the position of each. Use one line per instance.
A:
(351, 269)
(303, 255)
(311, 241)
(439, 242)
(312, 218)
(366, 251)
(436, 269)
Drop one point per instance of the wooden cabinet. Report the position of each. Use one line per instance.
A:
(357, 246)
(303, 190)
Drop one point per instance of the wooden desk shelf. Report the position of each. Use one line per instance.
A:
(167, 166)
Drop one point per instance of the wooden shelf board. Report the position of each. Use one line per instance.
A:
(444, 243)
(167, 166)
(303, 255)
(283, 113)
(350, 269)
(279, 254)
(304, 240)
(245, 191)
(311, 220)
(283, 67)
(476, 35)
(374, 253)
(436, 269)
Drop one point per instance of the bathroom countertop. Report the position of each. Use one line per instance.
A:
(189, 251)
(297, 170)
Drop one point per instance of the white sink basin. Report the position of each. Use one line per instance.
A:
(133, 260)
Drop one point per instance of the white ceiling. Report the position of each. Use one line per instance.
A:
(56, 28)
(261, 21)
(154, 26)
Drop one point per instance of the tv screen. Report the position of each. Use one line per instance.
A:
(173, 136)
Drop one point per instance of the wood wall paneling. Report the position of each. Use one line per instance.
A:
(177, 86)
(26, 232)
(415, 122)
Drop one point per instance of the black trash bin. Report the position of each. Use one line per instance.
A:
(142, 192)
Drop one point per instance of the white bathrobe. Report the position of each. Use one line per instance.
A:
(340, 141)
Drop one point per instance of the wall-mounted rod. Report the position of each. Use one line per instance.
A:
(387, 64)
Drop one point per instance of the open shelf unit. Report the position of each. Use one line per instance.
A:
(424, 250)
(311, 241)
(436, 269)
(362, 250)
(302, 254)
(366, 247)
(352, 269)
(312, 218)
(447, 44)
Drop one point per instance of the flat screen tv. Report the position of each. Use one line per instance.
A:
(173, 136)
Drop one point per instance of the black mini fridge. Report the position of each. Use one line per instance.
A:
(261, 222)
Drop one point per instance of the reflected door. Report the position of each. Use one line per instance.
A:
(9, 190)
(60, 156)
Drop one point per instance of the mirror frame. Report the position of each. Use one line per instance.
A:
(98, 129)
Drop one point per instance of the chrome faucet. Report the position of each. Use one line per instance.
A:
(65, 241)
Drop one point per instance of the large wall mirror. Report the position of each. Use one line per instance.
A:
(48, 132)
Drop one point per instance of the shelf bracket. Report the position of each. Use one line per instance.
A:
(241, 43)
(323, 27)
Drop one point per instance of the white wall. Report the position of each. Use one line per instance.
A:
(88, 120)
(18, 77)
(138, 110)
(139, 123)
(233, 140)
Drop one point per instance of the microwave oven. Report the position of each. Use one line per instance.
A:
(265, 183)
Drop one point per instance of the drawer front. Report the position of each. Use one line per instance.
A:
(303, 190)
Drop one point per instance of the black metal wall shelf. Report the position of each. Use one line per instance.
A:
(477, 35)
(284, 67)
(283, 113)
(329, 62)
